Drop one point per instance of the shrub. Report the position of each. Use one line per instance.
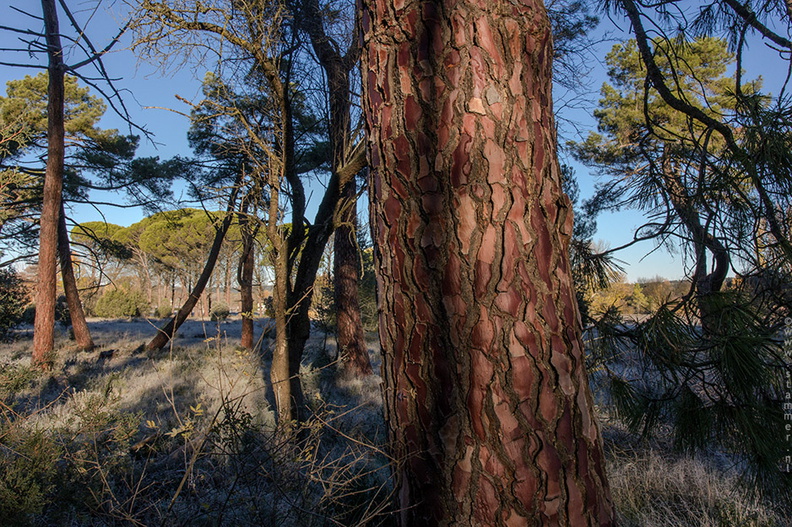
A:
(269, 307)
(163, 311)
(116, 303)
(62, 314)
(28, 473)
(15, 378)
(220, 312)
(13, 299)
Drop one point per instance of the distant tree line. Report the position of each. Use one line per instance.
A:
(159, 259)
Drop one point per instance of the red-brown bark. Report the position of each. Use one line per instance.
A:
(82, 335)
(351, 338)
(490, 413)
(44, 324)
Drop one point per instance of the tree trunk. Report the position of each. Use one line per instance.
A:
(280, 373)
(351, 337)
(227, 282)
(209, 287)
(706, 283)
(166, 333)
(489, 410)
(352, 348)
(246, 296)
(44, 325)
(245, 277)
(82, 335)
(173, 290)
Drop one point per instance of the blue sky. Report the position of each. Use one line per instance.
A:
(149, 92)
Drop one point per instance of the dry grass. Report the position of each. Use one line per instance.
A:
(654, 490)
(189, 438)
(186, 437)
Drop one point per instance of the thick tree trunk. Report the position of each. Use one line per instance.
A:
(352, 348)
(44, 325)
(490, 413)
(82, 335)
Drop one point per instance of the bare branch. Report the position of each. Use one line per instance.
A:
(745, 12)
(18, 65)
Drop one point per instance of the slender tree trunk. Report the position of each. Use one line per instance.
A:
(209, 297)
(352, 347)
(490, 413)
(82, 335)
(351, 337)
(281, 371)
(227, 282)
(706, 283)
(246, 297)
(245, 277)
(166, 333)
(44, 325)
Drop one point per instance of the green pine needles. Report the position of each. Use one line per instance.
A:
(711, 370)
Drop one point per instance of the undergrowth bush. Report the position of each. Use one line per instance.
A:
(14, 296)
(28, 472)
(189, 439)
(15, 378)
(219, 312)
(62, 314)
(117, 303)
(163, 311)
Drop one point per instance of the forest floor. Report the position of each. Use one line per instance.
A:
(187, 436)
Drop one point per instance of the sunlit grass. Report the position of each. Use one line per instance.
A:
(189, 435)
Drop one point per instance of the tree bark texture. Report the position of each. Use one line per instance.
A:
(489, 409)
(351, 338)
(46, 293)
(82, 335)
(287, 402)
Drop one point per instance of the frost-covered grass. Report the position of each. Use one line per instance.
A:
(652, 490)
(188, 437)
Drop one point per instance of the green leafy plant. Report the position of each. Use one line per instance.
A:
(711, 385)
(116, 303)
(220, 312)
(28, 472)
(14, 296)
(15, 378)
(163, 311)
